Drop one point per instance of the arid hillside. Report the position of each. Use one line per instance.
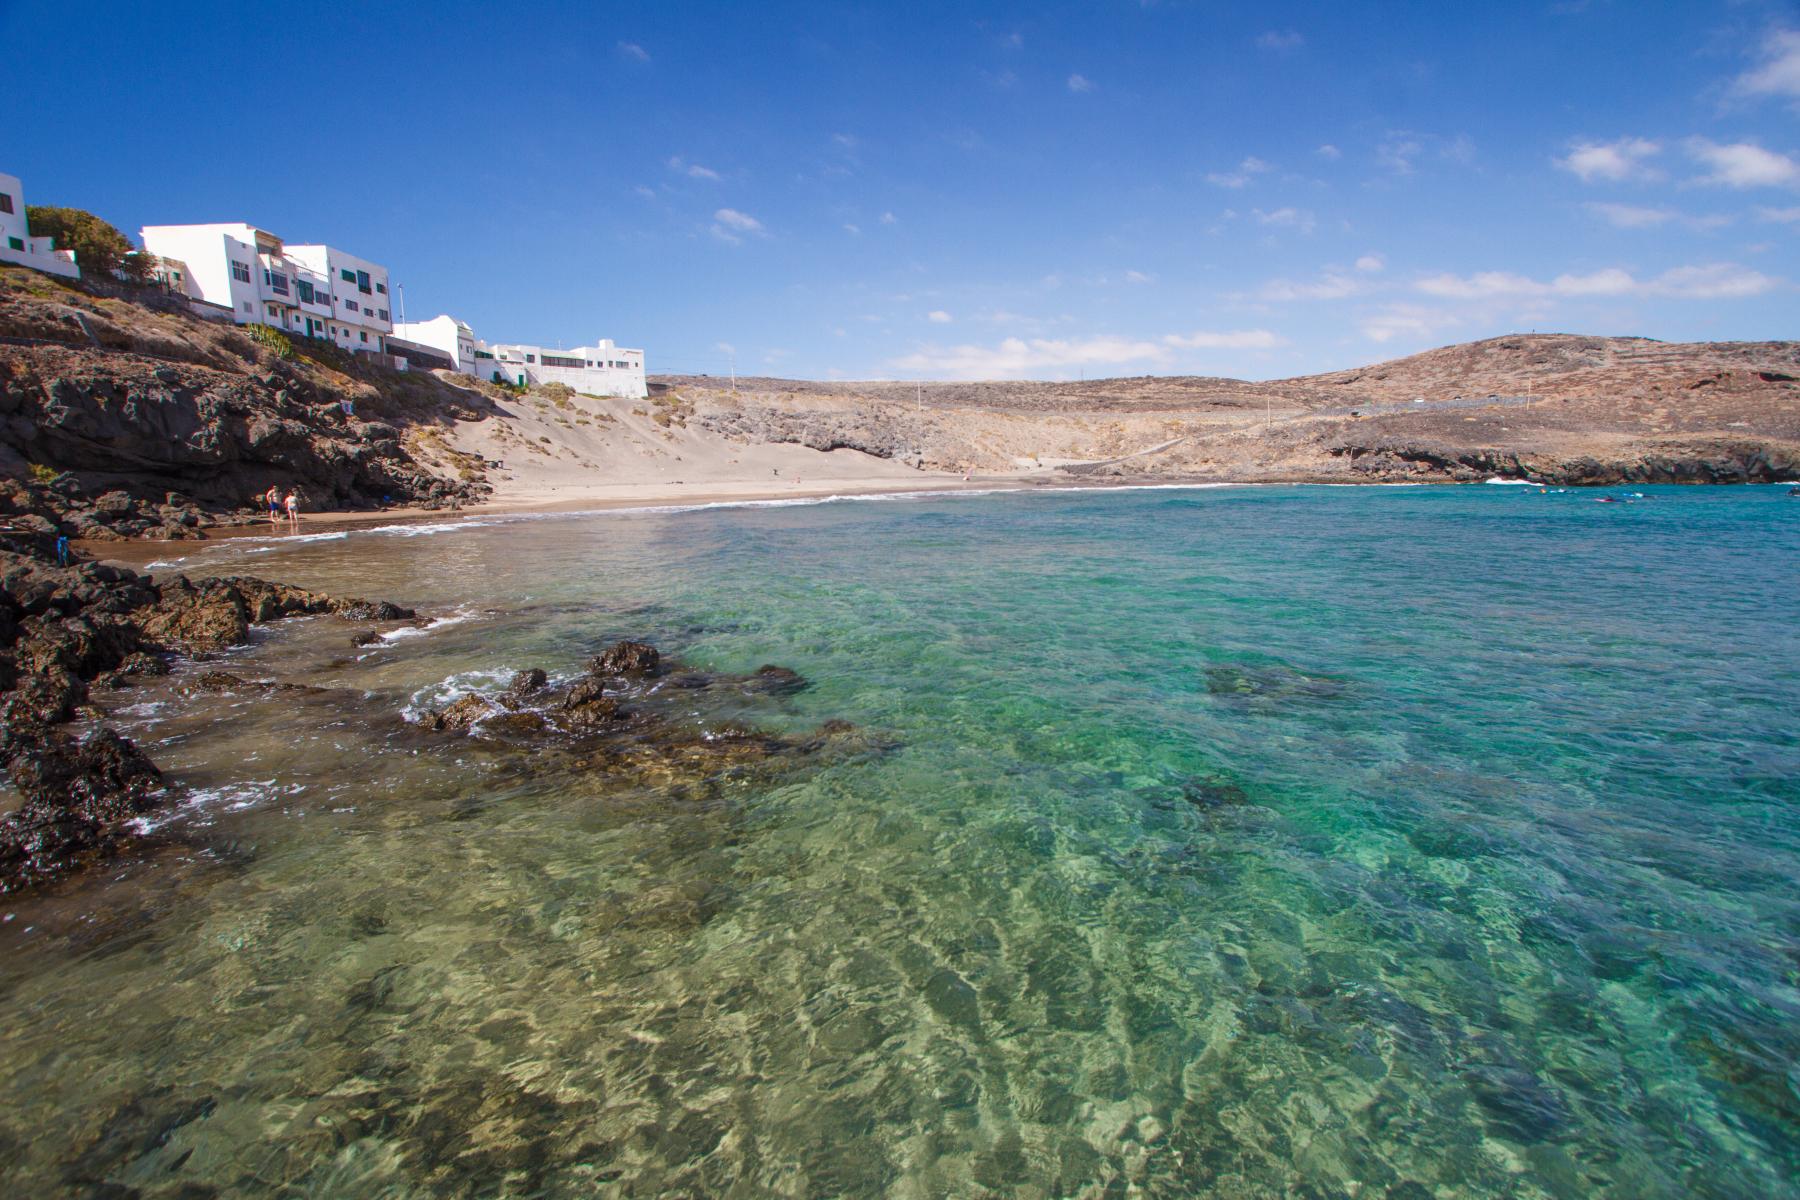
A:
(1560, 407)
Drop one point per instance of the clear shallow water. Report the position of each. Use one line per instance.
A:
(1263, 841)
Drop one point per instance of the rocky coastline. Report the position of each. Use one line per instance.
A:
(68, 631)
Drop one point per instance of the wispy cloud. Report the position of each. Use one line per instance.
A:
(1611, 162)
(634, 51)
(1329, 152)
(888, 218)
(1280, 40)
(848, 141)
(729, 224)
(1784, 216)
(1779, 72)
(1286, 217)
(1631, 216)
(1406, 320)
(1139, 277)
(1710, 281)
(1080, 83)
(1397, 152)
(1247, 170)
(1236, 339)
(692, 170)
(1331, 285)
(938, 316)
(1014, 357)
(1371, 263)
(853, 230)
(1743, 165)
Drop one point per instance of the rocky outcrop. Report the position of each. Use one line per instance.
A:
(63, 628)
(1692, 463)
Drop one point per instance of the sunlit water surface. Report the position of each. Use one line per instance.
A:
(1320, 842)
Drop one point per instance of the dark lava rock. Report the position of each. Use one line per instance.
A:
(77, 795)
(460, 713)
(626, 658)
(367, 637)
(952, 998)
(1213, 791)
(525, 684)
(1242, 682)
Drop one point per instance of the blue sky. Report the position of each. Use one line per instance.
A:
(959, 191)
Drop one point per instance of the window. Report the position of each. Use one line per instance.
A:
(247, 307)
(382, 288)
(6, 202)
(552, 360)
(240, 271)
(365, 336)
(351, 305)
(305, 290)
(483, 354)
(362, 282)
(531, 358)
(16, 243)
(278, 283)
(348, 275)
(382, 313)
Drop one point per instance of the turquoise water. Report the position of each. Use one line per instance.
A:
(1249, 842)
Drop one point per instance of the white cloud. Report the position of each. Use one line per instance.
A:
(938, 316)
(888, 218)
(725, 347)
(1280, 40)
(728, 223)
(1286, 218)
(1744, 164)
(1630, 216)
(1406, 320)
(1715, 281)
(1021, 356)
(1397, 153)
(1139, 277)
(633, 50)
(691, 170)
(1371, 263)
(1330, 286)
(852, 229)
(646, 193)
(1712, 281)
(1329, 152)
(1779, 74)
(1786, 216)
(1612, 162)
(847, 140)
(1237, 339)
(1080, 83)
(1246, 171)
(734, 219)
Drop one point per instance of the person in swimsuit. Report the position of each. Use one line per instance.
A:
(273, 496)
(292, 503)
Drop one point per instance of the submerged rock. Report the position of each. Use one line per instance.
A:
(1274, 682)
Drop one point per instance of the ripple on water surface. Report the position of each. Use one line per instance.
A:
(1257, 842)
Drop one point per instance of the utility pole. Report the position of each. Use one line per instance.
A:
(733, 357)
(400, 290)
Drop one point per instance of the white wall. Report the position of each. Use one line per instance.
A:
(364, 328)
(593, 380)
(30, 252)
(444, 333)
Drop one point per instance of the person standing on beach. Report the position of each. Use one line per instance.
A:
(273, 496)
(292, 503)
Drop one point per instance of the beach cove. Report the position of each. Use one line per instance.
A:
(1352, 841)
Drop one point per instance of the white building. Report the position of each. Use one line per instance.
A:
(598, 370)
(314, 291)
(444, 333)
(16, 243)
(602, 369)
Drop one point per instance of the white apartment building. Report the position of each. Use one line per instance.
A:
(602, 369)
(16, 243)
(315, 291)
(444, 333)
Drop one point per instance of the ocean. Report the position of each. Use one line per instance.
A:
(1243, 841)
